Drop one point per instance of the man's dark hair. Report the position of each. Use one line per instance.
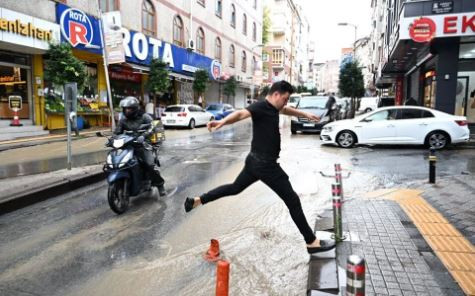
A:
(281, 87)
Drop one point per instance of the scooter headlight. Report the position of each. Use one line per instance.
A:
(118, 143)
(126, 159)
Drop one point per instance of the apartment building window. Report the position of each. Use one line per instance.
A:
(255, 4)
(202, 2)
(217, 49)
(232, 56)
(277, 56)
(254, 65)
(233, 16)
(178, 31)
(219, 8)
(200, 41)
(254, 31)
(109, 5)
(244, 24)
(148, 18)
(243, 61)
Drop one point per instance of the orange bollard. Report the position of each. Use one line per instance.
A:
(222, 278)
(212, 254)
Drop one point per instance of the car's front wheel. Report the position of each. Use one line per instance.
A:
(346, 139)
(437, 140)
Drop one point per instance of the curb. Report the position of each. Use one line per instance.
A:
(24, 199)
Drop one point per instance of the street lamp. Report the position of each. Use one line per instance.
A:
(356, 32)
(253, 69)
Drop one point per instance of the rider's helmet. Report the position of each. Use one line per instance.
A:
(130, 107)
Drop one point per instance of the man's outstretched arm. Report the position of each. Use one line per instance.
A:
(297, 113)
(230, 119)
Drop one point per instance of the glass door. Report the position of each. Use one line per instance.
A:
(461, 96)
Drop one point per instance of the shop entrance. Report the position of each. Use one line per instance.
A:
(15, 81)
(430, 85)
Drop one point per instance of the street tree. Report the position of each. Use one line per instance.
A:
(62, 67)
(266, 24)
(351, 84)
(201, 83)
(158, 80)
(230, 88)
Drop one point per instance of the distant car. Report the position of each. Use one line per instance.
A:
(220, 111)
(398, 125)
(294, 100)
(185, 115)
(368, 104)
(311, 104)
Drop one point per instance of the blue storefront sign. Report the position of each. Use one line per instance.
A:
(140, 49)
(81, 30)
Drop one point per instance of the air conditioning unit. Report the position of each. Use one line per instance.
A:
(191, 45)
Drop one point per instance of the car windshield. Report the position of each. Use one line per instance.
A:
(312, 103)
(174, 109)
(214, 107)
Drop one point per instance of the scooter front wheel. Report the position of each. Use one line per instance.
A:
(118, 196)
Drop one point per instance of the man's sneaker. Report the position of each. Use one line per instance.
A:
(162, 191)
(189, 202)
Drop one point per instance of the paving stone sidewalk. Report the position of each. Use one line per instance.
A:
(399, 262)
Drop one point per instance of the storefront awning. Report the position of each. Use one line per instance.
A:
(144, 70)
(182, 77)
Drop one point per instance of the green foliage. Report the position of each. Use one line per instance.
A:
(201, 81)
(351, 81)
(61, 66)
(230, 87)
(158, 81)
(266, 24)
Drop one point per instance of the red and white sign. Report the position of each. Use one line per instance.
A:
(443, 25)
(422, 30)
(125, 75)
(399, 91)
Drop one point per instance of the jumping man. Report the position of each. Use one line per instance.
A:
(261, 163)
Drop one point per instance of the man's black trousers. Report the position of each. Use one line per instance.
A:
(148, 161)
(268, 171)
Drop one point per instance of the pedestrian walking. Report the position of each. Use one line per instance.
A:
(261, 163)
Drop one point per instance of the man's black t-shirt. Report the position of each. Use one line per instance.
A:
(266, 135)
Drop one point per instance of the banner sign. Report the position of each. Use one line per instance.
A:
(81, 30)
(113, 37)
(140, 49)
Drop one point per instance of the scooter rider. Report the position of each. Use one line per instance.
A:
(131, 120)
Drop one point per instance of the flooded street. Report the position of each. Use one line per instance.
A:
(75, 245)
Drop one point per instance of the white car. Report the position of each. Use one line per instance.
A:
(398, 125)
(185, 115)
(368, 104)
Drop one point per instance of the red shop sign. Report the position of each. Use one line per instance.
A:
(422, 30)
(125, 75)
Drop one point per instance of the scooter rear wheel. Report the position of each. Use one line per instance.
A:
(118, 196)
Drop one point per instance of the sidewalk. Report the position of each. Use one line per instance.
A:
(409, 248)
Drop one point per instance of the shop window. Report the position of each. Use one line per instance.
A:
(467, 51)
(148, 18)
(232, 56)
(13, 82)
(109, 5)
(218, 49)
(219, 8)
(178, 31)
(233, 16)
(200, 41)
(243, 61)
(88, 96)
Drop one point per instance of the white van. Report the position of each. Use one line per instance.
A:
(368, 104)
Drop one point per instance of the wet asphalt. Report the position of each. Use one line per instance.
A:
(75, 245)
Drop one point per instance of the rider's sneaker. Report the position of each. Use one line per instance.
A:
(162, 191)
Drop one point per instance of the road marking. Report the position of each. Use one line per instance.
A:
(452, 248)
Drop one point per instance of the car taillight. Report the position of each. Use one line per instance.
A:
(182, 114)
(461, 122)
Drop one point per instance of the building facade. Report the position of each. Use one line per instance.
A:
(429, 54)
(219, 36)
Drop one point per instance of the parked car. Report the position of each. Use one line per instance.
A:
(368, 104)
(185, 115)
(220, 111)
(398, 125)
(293, 100)
(312, 104)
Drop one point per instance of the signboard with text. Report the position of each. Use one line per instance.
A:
(440, 7)
(15, 103)
(444, 25)
(113, 37)
(422, 30)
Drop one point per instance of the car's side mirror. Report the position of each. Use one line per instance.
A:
(366, 120)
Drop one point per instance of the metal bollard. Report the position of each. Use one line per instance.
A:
(432, 161)
(337, 214)
(339, 178)
(355, 276)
